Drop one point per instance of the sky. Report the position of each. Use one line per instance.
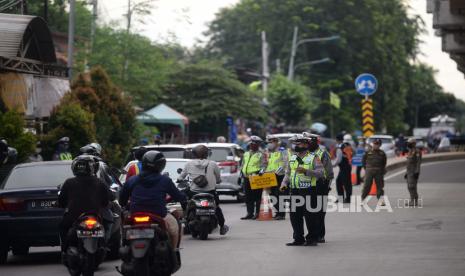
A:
(184, 21)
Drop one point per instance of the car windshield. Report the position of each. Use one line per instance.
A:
(220, 154)
(38, 176)
(172, 152)
(172, 168)
(383, 140)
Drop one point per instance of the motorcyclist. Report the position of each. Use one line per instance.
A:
(102, 169)
(202, 166)
(147, 192)
(136, 168)
(81, 194)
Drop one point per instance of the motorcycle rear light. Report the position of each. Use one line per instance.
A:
(143, 219)
(232, 164)
(139, 245)
(90, 223)
(204, 203)
(11, 204)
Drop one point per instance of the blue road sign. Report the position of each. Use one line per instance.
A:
(366, 84)
(357, 159)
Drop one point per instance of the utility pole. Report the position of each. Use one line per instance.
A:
(72, 9)
(265, 68)
(23, 7)
(46, 10)
(94, 23)
(290, 72)
(278, 66)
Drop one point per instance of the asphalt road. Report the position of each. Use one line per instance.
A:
(423, 241)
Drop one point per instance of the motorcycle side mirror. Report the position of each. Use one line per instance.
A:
(179, 170)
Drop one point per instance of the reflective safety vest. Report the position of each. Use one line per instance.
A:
(275, 161)
(299, 180)
(65, 156)
(321, 153)
(251, 163)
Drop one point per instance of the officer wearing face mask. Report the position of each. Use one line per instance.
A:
(253, 163)
(277, 159)
(36, 157)
(62, 150)
(304, 174)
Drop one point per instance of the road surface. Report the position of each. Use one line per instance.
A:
(422, 241)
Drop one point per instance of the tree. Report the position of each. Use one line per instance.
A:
(375, 36)
(208, 94)
(290, 101)
(13, 130)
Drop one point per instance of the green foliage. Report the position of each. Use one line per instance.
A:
(71, 120)
(290, 101)
(207, 92)
(13, 131)
(376, 36)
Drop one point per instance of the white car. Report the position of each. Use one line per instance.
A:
(388, 144)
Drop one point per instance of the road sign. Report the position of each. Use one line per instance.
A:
(366, 84)
(357, 159)
(267, 180)
(367, 115)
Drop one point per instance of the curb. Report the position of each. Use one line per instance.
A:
(396, 164)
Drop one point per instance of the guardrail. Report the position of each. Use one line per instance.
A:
(400, 162)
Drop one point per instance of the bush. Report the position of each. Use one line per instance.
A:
(13, 131)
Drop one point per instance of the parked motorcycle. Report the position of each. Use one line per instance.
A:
(146, 248)
(86, 245)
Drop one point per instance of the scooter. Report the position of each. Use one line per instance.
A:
(86, 245)
(146, 248)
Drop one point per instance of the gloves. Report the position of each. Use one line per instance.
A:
(283, 188)
(260, 173)
(417, 175)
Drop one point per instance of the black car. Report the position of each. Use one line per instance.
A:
(28, 212)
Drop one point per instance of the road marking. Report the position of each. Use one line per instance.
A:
(403, 171)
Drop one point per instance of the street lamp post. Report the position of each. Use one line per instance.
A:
(313, 62)
(296, 44)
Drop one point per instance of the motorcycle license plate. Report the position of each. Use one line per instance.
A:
(90, 234)
(204, 212)
(134, 234)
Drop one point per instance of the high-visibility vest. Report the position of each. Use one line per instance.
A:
(275, 161)
(65, 156)
(299, 180)
(251, 163)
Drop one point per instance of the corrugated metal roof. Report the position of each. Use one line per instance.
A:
(16, 28)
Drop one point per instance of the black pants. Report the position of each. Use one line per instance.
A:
(298, 214)
(359, 175)
(253, 198)
(343, 182)
(278, 195)
(323, 191)
(218, 212)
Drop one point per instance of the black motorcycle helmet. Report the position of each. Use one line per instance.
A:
(200, 152)
(83, 165)
(139, 153)
(153, 161)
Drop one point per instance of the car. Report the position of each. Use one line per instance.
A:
(388, 144)
(28, 198)
(227, 157)
(169, 150)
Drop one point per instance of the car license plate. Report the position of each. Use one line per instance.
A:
(90, 234)
(42, 204)
(205, 212)
(135, 234)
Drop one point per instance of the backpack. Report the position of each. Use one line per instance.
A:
(201, 181)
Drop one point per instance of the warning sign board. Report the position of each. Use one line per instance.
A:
(267, 180)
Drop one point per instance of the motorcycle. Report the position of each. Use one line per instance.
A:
(201, 217)
(146, 248)
(86, 249)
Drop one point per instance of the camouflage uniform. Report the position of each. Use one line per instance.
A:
(374, 162)
(413, 172)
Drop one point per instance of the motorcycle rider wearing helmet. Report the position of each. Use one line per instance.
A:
(83, 193)
(102, 169)
(254, 162)
(136, 168)
(147, 193)
(202, 166)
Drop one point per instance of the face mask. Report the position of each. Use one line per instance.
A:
(253, 147)
(271, 146)
(300, 149)
(313, 147)
(38, 150)
(293, 147)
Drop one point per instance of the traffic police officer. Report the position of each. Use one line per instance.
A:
(253, 163)
(324, 189)
(374, 162)
(62, 150)
(413, 170)
(277, 160)
(303, 174)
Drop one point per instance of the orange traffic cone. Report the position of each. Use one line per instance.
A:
(266, 212)
(373, 188)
